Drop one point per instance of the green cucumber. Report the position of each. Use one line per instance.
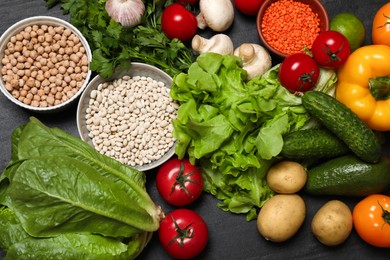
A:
(344, 123)
(314, 143)
(348, 176)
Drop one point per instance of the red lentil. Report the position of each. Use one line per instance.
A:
(289, 26)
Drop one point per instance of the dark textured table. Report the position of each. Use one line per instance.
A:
(231, 236)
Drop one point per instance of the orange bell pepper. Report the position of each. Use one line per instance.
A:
(364, 85)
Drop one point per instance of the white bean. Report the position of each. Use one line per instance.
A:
(136, 115)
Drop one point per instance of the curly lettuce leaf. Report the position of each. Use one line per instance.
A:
(233, 128)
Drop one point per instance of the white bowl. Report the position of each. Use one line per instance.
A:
(136, 69)
(50, 21)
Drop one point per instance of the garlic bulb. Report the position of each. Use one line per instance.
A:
(126, 12)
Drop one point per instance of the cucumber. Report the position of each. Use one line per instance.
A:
(344, 123)
(314, 143)
(348, 176)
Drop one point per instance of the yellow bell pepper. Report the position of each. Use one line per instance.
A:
(364, 85)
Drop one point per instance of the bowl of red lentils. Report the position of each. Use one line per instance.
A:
(44, 64)
(290, 26)
(129, 117)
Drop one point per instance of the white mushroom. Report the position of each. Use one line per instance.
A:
(218, 15)
(255, 58)
(219, 43)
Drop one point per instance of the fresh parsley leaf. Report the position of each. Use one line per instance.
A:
(114, 46)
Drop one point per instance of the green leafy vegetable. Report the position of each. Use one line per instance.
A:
(114, 46)
(233, 128)
(20, 245)
(58, 193)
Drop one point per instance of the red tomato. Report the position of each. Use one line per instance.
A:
(179, 182)
(183, 233)
(178, 22)
(371, 219)
(248, 7)
(187, 2)
(330, 49)
(298, 72)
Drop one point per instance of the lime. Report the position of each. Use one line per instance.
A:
(351, 27)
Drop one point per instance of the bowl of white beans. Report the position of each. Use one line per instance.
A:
(129, 116)
(44, 64)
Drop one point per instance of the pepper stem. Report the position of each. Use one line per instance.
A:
(380, 87)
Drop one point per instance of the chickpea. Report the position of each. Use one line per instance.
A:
(67, 32)
(41, 38)
(34, 103)
(40, 50)
(57, 37)
(13, 62)
(27, 101)
(48, 37)
(28, 29)
(15, 93)
(19, 37)
(44, 65)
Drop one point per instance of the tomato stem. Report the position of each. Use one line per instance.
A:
(333, 56)
(182, 178)
(385, 215)
(380, 87)
(386, 23)
(306, 77)
(182, 234)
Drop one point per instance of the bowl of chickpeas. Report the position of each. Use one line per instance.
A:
(129, 117)
(44, 64)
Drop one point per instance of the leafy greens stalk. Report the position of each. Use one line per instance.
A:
(115, 47)
(234, 129)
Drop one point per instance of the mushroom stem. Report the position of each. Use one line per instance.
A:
(219, 43)
(256, 59)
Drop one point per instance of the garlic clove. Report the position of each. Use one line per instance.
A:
(126, 12)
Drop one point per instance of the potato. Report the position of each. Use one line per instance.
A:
(332, 223)
(286, 177)
(281, 217)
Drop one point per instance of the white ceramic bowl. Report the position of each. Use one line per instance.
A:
(50, 21)
(136, 69)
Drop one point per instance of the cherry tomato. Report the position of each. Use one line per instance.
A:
(371, 219)
(298, 72)
(178, 22)
(248, 7)
(381, 26)
(330, 49)
(187, 2)
(179, 182)
(183, 233)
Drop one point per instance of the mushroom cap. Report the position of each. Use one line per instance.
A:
(218, 15)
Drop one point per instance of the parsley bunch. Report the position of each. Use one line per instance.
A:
(114, 46)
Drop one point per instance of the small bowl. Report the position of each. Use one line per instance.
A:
(40, 21)
(136, 69)
(316, 7)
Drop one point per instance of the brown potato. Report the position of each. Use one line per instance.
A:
(281, 217)
(286, 177)
(332, 224)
